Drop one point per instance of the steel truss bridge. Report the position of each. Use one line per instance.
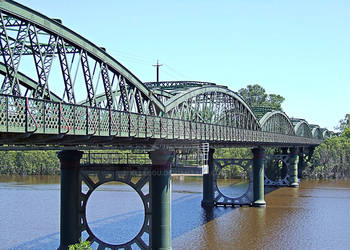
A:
(57, 88)
(61, 91)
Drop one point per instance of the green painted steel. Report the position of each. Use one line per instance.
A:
(27, 82)
(186, 111)
(34, 117)
(258, 177)
(302, 128)
(208, 182)
(261, 111)
(161, 199)
(94, 175)
(181, 97)
(316, 132)
(176, 85)
(301, 162)
(277, 122)
(53, 27)
(70, 191)
(293, 167)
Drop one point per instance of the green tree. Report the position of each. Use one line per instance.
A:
(343, 123)
(256, 96)
(331, 159)
(82, 245)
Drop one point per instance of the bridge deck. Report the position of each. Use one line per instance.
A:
(26, 121)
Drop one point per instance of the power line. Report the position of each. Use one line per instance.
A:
(179, 74)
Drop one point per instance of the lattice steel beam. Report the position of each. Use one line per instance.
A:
(107, 85)
(43, 62)
(88, 79)
(65, 71)
(123, 93)
(139, 102)
(10, 84)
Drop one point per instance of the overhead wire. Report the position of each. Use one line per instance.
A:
(130, 58)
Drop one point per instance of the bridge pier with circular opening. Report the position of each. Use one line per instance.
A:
(293, 167)
(208, 182)
(258, 177)
(70, 191)
(161, 199)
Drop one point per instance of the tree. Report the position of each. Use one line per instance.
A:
(331, 159)
(343, 123)
(256, 96)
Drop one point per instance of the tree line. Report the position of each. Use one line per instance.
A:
(331, 159)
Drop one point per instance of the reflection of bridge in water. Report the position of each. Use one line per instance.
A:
(60, 91)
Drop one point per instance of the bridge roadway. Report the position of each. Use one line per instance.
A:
(61, 91)
(26, 121)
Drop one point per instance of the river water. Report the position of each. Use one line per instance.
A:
(313, 216)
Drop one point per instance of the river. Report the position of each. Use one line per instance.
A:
(313, 216)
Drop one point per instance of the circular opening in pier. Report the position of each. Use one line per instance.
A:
(115, 213)
(275, 170)
(233, 181)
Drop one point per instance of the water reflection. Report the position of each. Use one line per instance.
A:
(233, 187)
(313, 216)
(30, 179)
(112, 208)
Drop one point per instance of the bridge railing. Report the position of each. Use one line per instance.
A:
(27, 115)
(115, 158)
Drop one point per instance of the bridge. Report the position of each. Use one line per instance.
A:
(61, 91)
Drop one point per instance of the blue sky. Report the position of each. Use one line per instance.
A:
(298, 49)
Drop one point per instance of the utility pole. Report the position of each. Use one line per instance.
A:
(157, 65)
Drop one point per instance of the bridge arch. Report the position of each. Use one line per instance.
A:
(212, 104)
(316, 132)
(84, 69)
(277, 122)
(302, 128)
(325, 133)
(27, 82)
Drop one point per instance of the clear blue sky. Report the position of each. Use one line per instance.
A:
(298, 49)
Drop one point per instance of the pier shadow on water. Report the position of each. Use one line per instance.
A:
(121, 224)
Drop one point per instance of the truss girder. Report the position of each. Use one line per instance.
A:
(177, 84)
(138, 99)
(27, 82)
(17, 51)
(24, 32)
(317, 133)
(43, 60)
(212, 104)
(69, 43)
(88, 78)
(277, 122)
(27, 49)
(325, 133)
(67, 78)
(107, 85)
(302, 128)
(10, 84)
(123, 93)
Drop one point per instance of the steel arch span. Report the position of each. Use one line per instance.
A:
(316, 132)
(277, 122)
(44, 50)
(211, 104)
(302, 128)
(59, 89)
(325, 133)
